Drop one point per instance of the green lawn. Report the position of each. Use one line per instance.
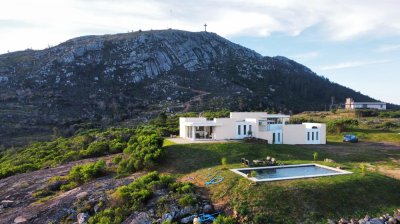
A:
(297, 201)
(368, 135)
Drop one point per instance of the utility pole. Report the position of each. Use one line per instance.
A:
(205, 27)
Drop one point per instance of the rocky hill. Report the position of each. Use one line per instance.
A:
(133, 76)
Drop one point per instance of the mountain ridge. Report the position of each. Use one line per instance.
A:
(133, 76)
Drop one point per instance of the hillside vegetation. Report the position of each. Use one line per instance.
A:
(298, 201)
(131, 77)
(141, 147)
(368, 125)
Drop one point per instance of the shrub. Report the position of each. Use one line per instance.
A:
(117, 159)
(87, 172)
(186, 200)
(116, 146)
(224, 220)
(315, 156)
(96, 149)
(224, 161)
(340, 125)
(363, 168)
(144, 151)
(389, 125)
(48, 154)
(390, 114)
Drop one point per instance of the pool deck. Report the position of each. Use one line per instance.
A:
(339, 172)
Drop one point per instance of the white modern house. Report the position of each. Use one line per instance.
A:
(271, 127)
(351, 105)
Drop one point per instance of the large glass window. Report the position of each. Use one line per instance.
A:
(312, 134)
(279, 137)
(316, 135)
(244, 129)
(238, 129)
(308, 136)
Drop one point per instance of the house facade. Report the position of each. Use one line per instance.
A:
(271, 127)
(351, 105)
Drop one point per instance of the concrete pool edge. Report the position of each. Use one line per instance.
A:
(340, 172)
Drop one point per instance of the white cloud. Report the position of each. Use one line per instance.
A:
(351, 64)
(54, 21)
(388, 48)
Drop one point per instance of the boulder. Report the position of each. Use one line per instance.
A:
(82, 218)
(207, 209)
(362, 221)
(343, 221)
(141, 218)
(376, 221)
(166, 217)
(7, 203)
(82, 195)
(188, 219)
(20, 219)
(175, 212)
(353, 221)
(392, 221)
(96, 208)
(187, 210)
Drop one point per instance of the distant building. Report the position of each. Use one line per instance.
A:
(238, 125)
(351, 105)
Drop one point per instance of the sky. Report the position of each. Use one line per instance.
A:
(355, 43)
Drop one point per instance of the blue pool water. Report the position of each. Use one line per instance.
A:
(289, 172)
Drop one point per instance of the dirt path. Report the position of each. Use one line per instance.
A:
(19, 189)
(197, 98)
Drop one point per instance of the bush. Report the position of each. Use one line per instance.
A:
(340, 125)
(126, 199)
(117, 159)
(224, 220)
(315, 156)
(143, 152)
(390, 114)
(367, 113)
(224, 161)
(87, 172)
(186, 200)
(137, 192)
(389, 125)
(87, 144)
(96, 149)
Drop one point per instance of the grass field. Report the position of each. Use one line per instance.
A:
(297, 201)
(368, 135)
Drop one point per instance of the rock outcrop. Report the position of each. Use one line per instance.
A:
(113, 78)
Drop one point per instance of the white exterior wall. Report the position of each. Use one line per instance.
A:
(350, 104)
(183, 122)
(377, 106)
(227, 128)
(298, 133)
(294, 134)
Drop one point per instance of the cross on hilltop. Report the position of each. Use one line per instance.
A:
(205, 27)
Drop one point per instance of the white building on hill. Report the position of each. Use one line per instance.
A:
(271, 127)
(351, 105)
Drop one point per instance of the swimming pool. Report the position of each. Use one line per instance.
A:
(289, 172)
